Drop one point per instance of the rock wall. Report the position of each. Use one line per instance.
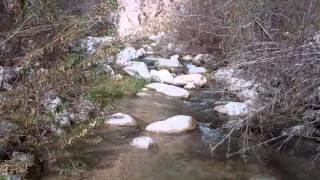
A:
(141, 17)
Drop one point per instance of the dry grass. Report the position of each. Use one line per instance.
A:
(273, 42)
(47, 65)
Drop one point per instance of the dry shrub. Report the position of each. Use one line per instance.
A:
(275, 42)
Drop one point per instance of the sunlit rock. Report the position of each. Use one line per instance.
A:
(143, 142)
(192, 69)
(174, 124)
(142, 94)
(170, 47)
(197, 79)
(190, 86)
(125, 56)
(187, 58)
(92, 43)
(163, 76)
(120, 119)
(140, 52)
(138, 69)
(167, 63)
(174, 57)
(233, 109)
(169, 90)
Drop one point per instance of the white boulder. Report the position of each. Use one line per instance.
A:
(192, 69)
(175, 57)
(197, 79)
(202, 58)
(163, 76)
(142, 142)
(142, 94)
(187, 58)
(169, 90)
(170, 47)
(121, 119)
(167, 63)
(125, 56)
(91, 43)
(138, 69)
(190, 86)
(233, 109)
(174, 124)
(140, 52)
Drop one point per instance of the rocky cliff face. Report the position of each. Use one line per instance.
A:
(138, 17)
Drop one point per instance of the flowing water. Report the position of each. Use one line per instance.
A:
(183, 156)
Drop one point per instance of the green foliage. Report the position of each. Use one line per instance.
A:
(108, 90)
(111, 30)
(73, 59)
(3, 177)
(66, 170)
(113, 4)
(72, 168)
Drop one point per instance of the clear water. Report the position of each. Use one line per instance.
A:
(181, 156)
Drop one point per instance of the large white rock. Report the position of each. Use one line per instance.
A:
(174, 124)
(190, 86)
(187, 58)
(163, 76)
(202, 58)
(142, 142)
(169, 90)
(175, 57)
(233, 109)
(91, 43)
(140, 52)
(125, 56)
(121, 119)
(138, 69)
(197, 79)
(142, 94)
(192, 69)
(167, 63)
